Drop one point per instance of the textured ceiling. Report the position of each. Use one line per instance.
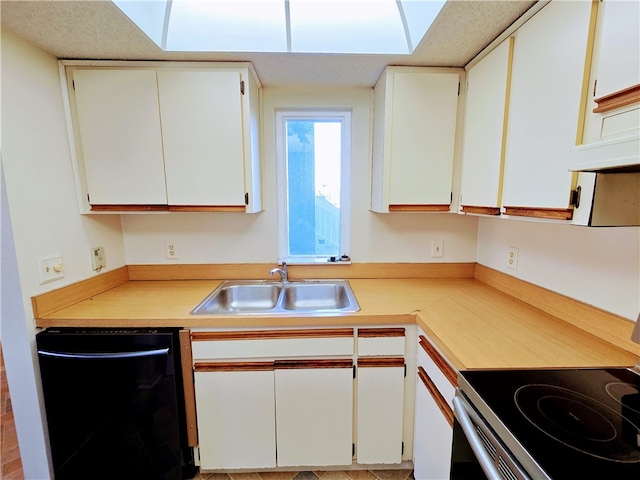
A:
(98, 30)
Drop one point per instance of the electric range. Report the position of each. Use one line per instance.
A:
(559, 424)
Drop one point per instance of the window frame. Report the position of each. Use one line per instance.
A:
(310, 114)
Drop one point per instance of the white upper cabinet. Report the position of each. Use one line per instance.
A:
(166, 136)
(202, 137)
(485, 131)
(546, 98)
(119, 126)
(415, 113)
(612, 124)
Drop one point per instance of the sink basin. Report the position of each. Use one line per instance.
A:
(313, 296)
(260, 297)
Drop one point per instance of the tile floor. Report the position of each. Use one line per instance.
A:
(315, 475)
(10, 462)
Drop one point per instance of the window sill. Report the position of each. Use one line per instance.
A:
(312, 261)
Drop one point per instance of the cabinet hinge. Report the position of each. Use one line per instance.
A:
(402, 450)
(88, 199)
(242, 87)
(246, 198)
(73, 84)
(595, 85)
(458, 88)
(405, 369)
(574, 199)
(353, 449)
(354, 371)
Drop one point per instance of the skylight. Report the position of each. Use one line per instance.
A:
(300, 26)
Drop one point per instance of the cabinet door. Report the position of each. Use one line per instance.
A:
(202, 134)
(619, 46)
(119, 126)
(314, 412)
(432, 438)
(236, 415)
(423, 126)
(545, 101)
(380, 410)
(485, 131)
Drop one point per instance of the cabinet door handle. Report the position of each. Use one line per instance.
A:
(105, 356)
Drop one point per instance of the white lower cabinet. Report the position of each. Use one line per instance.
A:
(433, 427)
(237, 427)
(380, 411)
(289, 398)
(314, 413)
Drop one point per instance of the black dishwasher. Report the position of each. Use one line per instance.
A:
(114, 403)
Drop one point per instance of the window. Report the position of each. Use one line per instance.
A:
(313, 155)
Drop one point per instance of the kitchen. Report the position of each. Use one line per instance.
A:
(595, 266)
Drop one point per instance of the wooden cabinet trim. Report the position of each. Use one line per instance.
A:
(380, 332)
(207, 208)
(621, 98)
(302, 364)
(272, 334)
(419, 208)
(481, 210)
(129, 208)
(188, 387)
(380, 362)
(448, 371)
(436, 395)
(233, 366)
(551, 213)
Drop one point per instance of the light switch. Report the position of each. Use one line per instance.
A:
(50, 268)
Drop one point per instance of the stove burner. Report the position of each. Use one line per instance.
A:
(625, 394)
(580, 422)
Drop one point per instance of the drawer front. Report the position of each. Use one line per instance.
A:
(439, 371)
(280, 343)
(381, 341)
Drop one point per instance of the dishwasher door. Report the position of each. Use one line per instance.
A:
(114, 409)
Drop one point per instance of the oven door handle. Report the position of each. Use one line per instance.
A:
(106, 356)
(486, 462)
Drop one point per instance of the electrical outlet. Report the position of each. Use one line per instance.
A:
(436, 248)
(172, 250)
(512, 258)
(98, 261)
(50, 268)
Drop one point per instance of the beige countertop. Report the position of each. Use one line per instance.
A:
(472, 324)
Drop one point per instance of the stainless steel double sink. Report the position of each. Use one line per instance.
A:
(258, 297)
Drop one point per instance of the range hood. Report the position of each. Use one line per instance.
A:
(617, 153)
(609, 198)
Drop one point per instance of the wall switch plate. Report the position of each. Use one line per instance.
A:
(512, 258)
(98, 261)
(50, 268)
(436, 248)
(172, 250)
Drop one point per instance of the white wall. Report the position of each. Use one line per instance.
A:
(242, 238)
(42, 203)
(598, 266)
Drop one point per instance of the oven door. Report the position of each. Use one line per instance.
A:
(477, 454)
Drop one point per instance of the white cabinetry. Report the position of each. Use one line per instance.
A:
(381, 386)
(168, 136)
(415, 113)
(237, 427)
(120, 136)
(612, 123)
(272, 409)
(314, 412)
(433, 431)
(485, 131)
(546, 97)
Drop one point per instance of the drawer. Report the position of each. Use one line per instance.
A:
(381, 341)
(436, 367)
(272, 343)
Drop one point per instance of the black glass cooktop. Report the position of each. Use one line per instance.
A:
(575, 423)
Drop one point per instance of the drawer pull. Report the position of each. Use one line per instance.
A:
(436, 395)
(449, 373)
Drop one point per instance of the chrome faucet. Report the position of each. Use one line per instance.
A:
(284, 275)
